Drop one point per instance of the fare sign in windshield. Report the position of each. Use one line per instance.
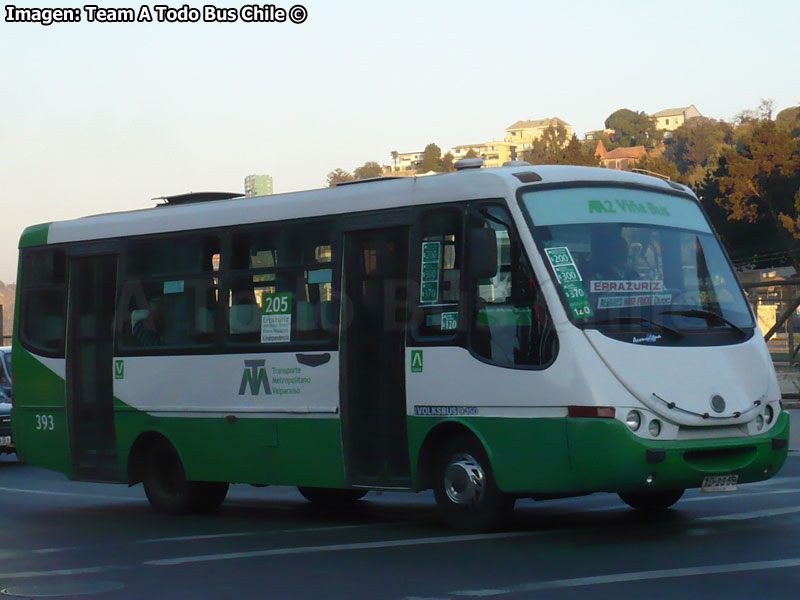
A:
(570, 280)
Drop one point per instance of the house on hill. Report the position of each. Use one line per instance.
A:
(670, 119)
(622, 158)
(523, 133)
(600, 152)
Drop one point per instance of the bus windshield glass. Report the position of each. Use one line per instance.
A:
(628, 258)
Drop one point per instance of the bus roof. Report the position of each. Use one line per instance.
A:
(468, 184)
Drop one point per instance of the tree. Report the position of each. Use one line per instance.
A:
(661, 165)
(696, 147)
(367, 170)
(395, 156)
(431, 159)
(338, 176)
(633, 128)
(471, 153)
(789, 119)
(547, 149)
(447, 162)
(577, 153)
(759, 179)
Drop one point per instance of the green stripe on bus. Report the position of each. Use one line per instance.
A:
(35, 235)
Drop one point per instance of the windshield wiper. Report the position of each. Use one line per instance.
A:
(708, 315)
(632, 319)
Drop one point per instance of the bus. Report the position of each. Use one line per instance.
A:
(490, 334)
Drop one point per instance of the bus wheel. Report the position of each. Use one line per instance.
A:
(331, 496)
(208, 496)
(169, 491)
(651, 501)
(466, 493)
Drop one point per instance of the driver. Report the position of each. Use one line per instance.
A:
(610, 257)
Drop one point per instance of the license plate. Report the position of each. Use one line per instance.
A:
(5, 440)
(720, 483)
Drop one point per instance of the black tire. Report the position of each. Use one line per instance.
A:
(208, 496)
(465, 489)
(168, 490)
(331, 496)
(651, 501)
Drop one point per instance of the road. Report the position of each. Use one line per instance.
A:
(66, 539)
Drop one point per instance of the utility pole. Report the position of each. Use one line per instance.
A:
(2, 337)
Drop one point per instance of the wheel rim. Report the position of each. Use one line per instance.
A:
(464, 480)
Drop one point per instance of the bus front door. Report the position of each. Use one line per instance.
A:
(373, 350)
(90, 344)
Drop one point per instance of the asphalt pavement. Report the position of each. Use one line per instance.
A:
(75, 539)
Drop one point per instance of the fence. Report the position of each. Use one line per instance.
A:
(775, 303)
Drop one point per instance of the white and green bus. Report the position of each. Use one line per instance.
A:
(491, 334)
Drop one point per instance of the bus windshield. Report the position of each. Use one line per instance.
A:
(628, 258)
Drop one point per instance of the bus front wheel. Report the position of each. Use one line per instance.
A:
(466, 493)
(169, 491)
(651, 501)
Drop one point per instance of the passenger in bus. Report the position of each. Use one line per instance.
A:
(148, 323)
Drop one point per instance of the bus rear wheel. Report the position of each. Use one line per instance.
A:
(169, 491)
(651, 501)
(331, 496)
(466, 493)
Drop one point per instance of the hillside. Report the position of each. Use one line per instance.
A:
(7, 296)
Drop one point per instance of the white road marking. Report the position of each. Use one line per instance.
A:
(211, 536)
(756, 514)
(635, 576)
(58, 572)
(71, 494)
(725, 496)
(703, 498)
(341, 547)
(774, 481)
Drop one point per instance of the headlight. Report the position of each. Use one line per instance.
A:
(633, 420)
(759, 422)
(769, 414)
(654, 427)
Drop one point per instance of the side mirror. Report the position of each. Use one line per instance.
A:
(483, 253)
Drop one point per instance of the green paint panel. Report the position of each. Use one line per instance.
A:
(249, 450)
(35, 235)
(527, 454)
(564, 455)
(606, 456)
(42, 437)
(39, 391)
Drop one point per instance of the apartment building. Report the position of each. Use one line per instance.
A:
(257, 185)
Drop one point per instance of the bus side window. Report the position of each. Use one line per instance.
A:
(170, 292)
(510, 324)
(281, 286)
(441, 262)
(44, 301)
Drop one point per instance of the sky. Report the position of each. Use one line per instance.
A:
(101, 117)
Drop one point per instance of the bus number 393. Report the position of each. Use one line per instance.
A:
(45, 423)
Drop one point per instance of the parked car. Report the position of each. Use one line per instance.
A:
(6, 400)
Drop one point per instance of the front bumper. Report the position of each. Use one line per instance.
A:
(606, 456)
